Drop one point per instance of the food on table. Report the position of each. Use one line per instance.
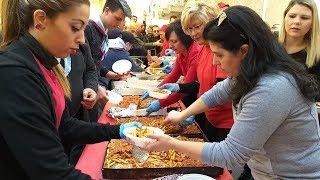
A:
(119, 155)
(142, 104)
(156, 121)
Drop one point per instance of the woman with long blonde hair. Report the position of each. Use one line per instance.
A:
(300, 33)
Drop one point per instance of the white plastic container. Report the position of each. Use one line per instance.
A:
(137, 141)
(195, 176)
(114, 97)
(159, 95)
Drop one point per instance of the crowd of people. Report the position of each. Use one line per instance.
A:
(252, 91)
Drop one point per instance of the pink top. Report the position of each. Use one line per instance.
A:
(186, 66)
(57, 91)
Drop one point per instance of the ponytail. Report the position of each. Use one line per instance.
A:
(12, 21)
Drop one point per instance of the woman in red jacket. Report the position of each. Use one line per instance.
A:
(185, 64)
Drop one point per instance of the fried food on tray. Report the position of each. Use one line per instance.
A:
(127, 100)
(119, 156)
(156, 121)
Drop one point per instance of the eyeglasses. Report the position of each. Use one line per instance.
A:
(222, 17)
(195, 28)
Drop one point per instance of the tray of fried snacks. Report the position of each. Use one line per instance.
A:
(192, 130)
(141, 104)
(120, 163)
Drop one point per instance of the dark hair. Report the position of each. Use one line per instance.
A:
(173, 16)
(115, 5)
(243, 26)
(128, 37)
(155, 26)
(177, 28)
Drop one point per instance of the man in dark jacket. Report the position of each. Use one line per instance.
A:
(119, 45)
(81, 72)
(113, 15)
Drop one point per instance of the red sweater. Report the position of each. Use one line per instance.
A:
(220, 116)
(56, 90)
(185, 65)
(165, 46)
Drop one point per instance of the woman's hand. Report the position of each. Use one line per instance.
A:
(174, 117)
(160, 143)
(153, 107)
(127, 125)
(89, 98)
(172, 87)
(102, 95)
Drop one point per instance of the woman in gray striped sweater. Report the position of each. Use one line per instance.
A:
(276, 130)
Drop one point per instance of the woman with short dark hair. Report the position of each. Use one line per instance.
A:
(276, 128)
(185, 64)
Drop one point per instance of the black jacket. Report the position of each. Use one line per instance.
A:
(95, 38)
(31, 145)
(83, 75)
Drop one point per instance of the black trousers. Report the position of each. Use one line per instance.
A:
(212, 133)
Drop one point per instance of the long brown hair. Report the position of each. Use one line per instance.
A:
(17, 17)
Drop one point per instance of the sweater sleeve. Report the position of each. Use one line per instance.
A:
(175, 97)
(90, 78)
(219, 93)
(263, 110)
(28, 127)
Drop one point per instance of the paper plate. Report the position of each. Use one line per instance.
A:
(114, 97)
(194, 176)
(159, 93)
(137, 141)
(122, 66)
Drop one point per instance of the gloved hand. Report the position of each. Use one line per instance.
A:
(188, 121)
(165, 62)
(126, 125)
(173, 87)
(169, 52)
(153, 106)
(167, 69)
(145, 95)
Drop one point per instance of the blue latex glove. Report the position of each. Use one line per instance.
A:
(188, 121)
(153, 106)
(126, 125)
(165, 62)
(145, 95)
(173, 87)
(167, 69)
(169, 52)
